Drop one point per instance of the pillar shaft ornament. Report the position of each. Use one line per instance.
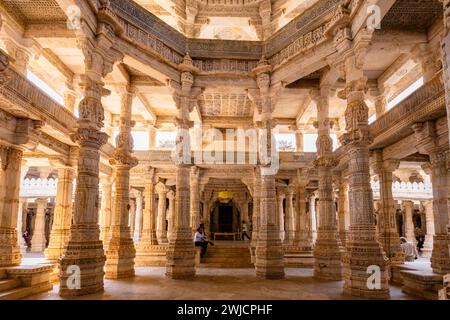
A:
(170, 213)
(409, 224)
(161, 230)
(342, 210)
(84, 248)
(138, 223)
(303, 235)
(280, 207)
(312, 217)
(386, 223)
(195, 198)
(39, 241)
(328, 248)
(132, 217)
(289, 232)
(180, 253)
(269, 262)
(429, 220)
(148, 237)
(121, 252)
(256, 207)
(362, 249)
(106, 210)
(62, 215)
(11, 160)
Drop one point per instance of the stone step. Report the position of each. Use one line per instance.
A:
(9, 284)
(225, 266)
(16, 294)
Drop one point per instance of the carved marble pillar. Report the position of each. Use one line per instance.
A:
(342, 210)
(171, 213)
(440, 257)
(148, 238)
(429, 221)
(313, 217)
(280, 207)
(362, 249)
(38, 241)
(207, 217)
(289, 221)
(299, 140)
(132, 217)
(138, 223)
(303, 235)
(256, 206)
(388, 236)
(161, 230)
(409, 224)
(428, 143)
(21, 224)
(11, 159)
(180, 252)
(84, 248)
(152, 138)
(269, 262)
(328, 247)
(195, 198)
(121, 252)
(105, 209)
(62, 214)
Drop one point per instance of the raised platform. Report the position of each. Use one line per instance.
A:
(25, 280)
(227, 254)
(418, 279)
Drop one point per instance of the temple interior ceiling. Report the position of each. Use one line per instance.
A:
(34, 11)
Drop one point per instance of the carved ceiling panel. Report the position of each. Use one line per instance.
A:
(34, 11)
(225, 104)
(412, 15)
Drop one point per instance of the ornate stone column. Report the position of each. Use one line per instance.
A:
(303, 235)
(38, 241)
(363, 249)
(121, 252)
(105, 209)
(280, 199)
(138, 223)
(23, 202)
(11, 159)
(62, 215)
(256, 206)
(386, 224)
(289, 222)
(151, 137)
(429, 220)
(148, 238)
(313, 216)
(84, 248)
(299, 144)
(409, 225)
(170, 213)
(342, 209)
(195, 198)
(328, 248)
(180, 253)
(161, 231)
(132, 217)
(269, 262)
(428, 143)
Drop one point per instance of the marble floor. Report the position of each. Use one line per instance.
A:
(220, 284)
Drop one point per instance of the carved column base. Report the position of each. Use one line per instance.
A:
(161, 237)
(9, 249)
(440, 257)
(269, 262)
(181, 255)
(85, 251)
(57, 242)
(148, 240)
(303, 240)
(289, 237)
(362, 251)
(343, 237)
(120, 254)
(327, 255)
(390, 242)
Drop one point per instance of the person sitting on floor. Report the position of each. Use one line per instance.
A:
(200, 240)
(409, 249)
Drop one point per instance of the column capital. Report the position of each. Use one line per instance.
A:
(161, 189)
(407, 203)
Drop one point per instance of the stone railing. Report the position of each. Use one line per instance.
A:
(406, 190)
(37, 188)
(426, 103)
(20, 92)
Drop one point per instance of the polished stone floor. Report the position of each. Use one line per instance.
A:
(218, 284)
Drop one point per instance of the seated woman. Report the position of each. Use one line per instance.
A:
(200, 240)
